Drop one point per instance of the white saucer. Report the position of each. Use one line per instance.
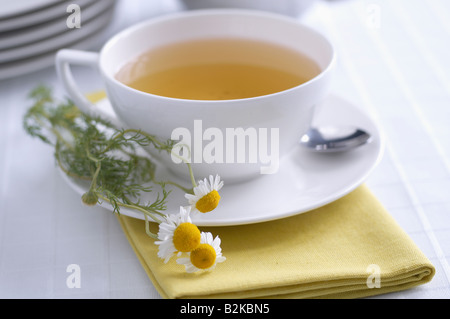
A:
(304, 182)
(14, 8)
(94, 33)
(54, 10)
(52, 44)
(51, 28)
(26, 66)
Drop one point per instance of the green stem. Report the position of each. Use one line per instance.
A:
(155, 141)
(147, 229)
(140, 209)
(150, 137)
(121, 134)
(191, 173)
(52, 129)
(90, 156)
(184, 189)
(60, 138)
(94, 178)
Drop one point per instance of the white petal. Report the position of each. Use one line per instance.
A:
(220, 259)
(212, 181)
(191, 197)
(184, 214)
(183, 261)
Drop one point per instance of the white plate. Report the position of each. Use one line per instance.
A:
(34, 17)
(57, 42)
(304, 182)
(12, 8)
(44, 61)
(35, 63)
(51, 28)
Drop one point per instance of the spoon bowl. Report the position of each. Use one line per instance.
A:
(328, 139)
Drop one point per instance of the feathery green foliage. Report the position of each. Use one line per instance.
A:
(91, 149)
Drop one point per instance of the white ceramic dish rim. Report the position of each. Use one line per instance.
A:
(27, 36)
(212, 221)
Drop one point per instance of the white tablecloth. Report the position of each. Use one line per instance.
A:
(393, 61)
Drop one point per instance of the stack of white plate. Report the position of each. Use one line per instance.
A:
(31, 31)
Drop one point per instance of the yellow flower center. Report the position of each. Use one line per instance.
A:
(186, 237)
(204, 256)
(208, 202)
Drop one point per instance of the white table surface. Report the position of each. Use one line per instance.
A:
(393, 62)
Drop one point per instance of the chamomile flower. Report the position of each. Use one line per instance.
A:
(206, 194)
(205, 256)
(177, 234)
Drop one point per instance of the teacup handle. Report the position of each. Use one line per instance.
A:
(66, 57)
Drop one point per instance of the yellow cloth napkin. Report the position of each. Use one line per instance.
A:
(331, 252)
(337, 251)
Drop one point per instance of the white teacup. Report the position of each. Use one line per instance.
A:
(284, 115)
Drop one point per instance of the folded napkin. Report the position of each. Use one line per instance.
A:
(350, 248)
